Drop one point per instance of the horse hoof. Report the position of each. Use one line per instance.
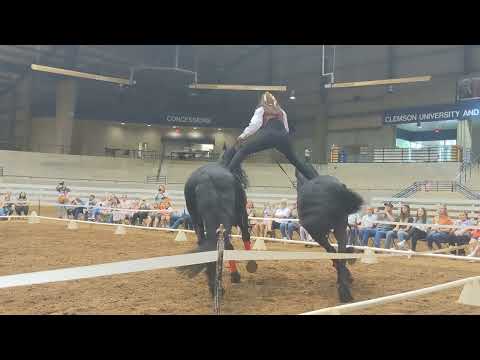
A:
(345, 295)
(252, 266)
(235, 277)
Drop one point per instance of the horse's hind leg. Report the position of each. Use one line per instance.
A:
(211, 226)
(234, 274)
(344, 275)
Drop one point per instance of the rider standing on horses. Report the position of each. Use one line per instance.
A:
(270, 125)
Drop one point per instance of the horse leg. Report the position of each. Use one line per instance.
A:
(211, 225)
(344, 276)
(342, 273)
(251, 264)
(234, 274)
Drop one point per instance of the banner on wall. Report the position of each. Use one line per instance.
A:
(461, 111)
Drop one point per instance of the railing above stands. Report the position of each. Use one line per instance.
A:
(366, 154)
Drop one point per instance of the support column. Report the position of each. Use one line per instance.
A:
(7, 121)
(320, 129)
(65, 114)
(464, 135)
(23, 114)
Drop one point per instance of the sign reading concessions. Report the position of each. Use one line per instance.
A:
(186, 120)
(462, 111)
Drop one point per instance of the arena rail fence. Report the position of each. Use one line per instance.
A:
(408, 253)
(470, 296)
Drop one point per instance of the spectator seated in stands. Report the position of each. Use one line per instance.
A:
(474, 243)
(3, 209)
(161, 195)
(165, 212)
(79, 210)
(267, 224)
(21, 207)
(462, 234)
(182, 218)
(93, 208)
(400, 231)
(353, 233)
(8, 204)
(417, 231)
(255, 226)
(383, 229)
(125, 204)
(293, 225)
(367, 227)
(63, 194)
(282, 214)
(439, 234)
(141, 216)
(305, 236)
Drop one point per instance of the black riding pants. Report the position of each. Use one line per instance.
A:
(272, 136)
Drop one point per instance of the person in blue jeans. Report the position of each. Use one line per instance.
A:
(383, 229)
(367, 226)
(183, 218)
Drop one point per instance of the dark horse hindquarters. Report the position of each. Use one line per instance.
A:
(215, 196)
(324, 203)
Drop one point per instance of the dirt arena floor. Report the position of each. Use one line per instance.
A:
(278, 287)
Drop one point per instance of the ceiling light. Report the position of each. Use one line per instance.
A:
(292, 95)
(149, 124)
(122, 123)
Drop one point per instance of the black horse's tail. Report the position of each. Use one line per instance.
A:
(351, 199)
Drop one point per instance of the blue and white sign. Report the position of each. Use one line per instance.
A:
(461, 111)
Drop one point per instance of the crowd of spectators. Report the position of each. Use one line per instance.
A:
(361, 228)
(435, 230)
(121, 210)
(13, 206)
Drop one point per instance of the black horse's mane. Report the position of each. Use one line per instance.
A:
(238, 172)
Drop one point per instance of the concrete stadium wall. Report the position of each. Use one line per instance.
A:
(21, 163)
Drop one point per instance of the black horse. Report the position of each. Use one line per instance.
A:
(214, 196)
(324, 203)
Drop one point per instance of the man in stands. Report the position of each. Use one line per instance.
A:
(21, 207)
(383, 229)
(367, 226)
(63, 193)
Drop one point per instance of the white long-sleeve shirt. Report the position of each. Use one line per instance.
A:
(283, 213)
(257, 121)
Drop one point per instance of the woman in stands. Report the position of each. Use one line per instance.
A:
(283, 213)
(417, 231)
(440, 234)
(270, 126)
(475, 241)
(400, 231)
(462, 234)
(266, 227)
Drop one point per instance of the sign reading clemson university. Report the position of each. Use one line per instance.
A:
(186, 119)
(461, 111)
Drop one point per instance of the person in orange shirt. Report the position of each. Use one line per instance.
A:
(440, 234)
(475, 240)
